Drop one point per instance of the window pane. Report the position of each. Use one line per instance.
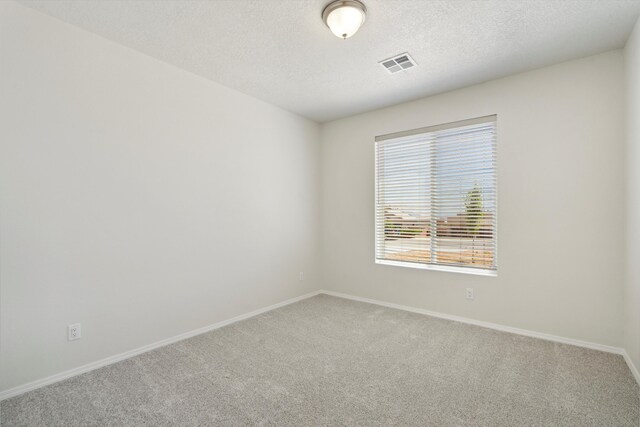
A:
(464, 196)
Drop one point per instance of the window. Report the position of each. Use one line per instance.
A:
(436, 197)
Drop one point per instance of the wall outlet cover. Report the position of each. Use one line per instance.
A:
(74, 332)
(469, 294)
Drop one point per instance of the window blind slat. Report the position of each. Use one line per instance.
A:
(436, 195)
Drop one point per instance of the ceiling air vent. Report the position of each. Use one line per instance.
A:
(398, 63)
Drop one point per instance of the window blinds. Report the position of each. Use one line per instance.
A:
(436, 198)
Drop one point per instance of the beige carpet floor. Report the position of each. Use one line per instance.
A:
(331, 361)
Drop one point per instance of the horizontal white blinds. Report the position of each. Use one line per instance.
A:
(436, 195)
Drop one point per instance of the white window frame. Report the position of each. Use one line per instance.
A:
(428, 266)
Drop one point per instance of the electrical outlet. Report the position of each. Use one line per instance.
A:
(75, 333)
(469, 293)
(301, 276)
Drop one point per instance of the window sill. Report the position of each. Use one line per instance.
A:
(450, 269)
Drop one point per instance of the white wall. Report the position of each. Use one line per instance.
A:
(561, 193)
(632, 282)
(137, 198)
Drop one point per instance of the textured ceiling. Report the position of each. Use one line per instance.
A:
(281, 52)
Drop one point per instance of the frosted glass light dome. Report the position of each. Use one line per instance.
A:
(344, 17)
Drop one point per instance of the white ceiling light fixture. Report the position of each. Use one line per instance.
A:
(344, 17)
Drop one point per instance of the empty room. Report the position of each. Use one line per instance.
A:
(320, 213)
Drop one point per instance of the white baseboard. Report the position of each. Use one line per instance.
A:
(632, 366)
(6, 394)
(12, 392)
(503, 328)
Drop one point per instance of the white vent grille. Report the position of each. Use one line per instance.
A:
(398, 63)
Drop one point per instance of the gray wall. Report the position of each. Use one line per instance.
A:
(138, 199)
(561, 191)
(632, 282)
